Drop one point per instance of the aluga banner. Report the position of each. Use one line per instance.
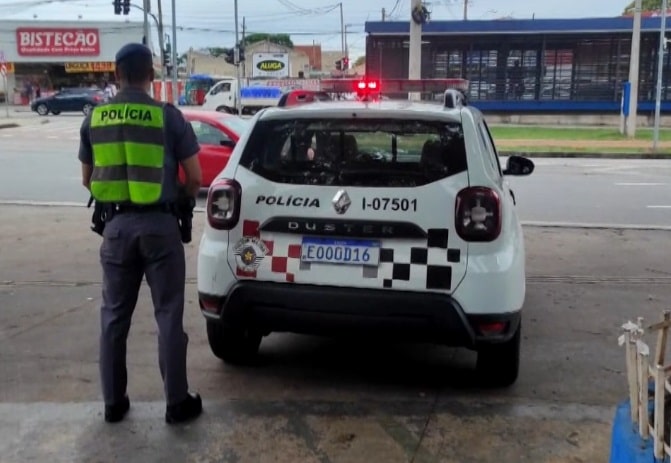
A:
(270, 65)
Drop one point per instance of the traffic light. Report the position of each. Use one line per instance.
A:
(166, 58)
(345, 63)
(126, 7)
(242, 54)
(229, 56)
(117, 6)
(339, 65)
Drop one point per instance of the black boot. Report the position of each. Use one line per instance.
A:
(116, 412)
(186, 410)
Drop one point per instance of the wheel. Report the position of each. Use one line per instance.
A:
(55, 113)
(87, 109)
(498, 365)
(224, 109)
(231, 344)
(42, 110)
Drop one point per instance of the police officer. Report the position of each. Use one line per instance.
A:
(130, 150)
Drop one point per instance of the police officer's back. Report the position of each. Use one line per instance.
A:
(130, 151)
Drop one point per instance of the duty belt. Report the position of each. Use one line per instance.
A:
(125, 208)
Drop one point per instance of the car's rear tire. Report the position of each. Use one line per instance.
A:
(238, 346)
(498, 365)
(42, 109)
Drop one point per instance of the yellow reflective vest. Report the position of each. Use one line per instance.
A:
(128, 153)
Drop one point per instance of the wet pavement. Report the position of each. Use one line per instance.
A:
(315, 399)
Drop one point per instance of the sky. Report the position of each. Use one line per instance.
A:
(203, 23)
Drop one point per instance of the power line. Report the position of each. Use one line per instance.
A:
(391, 12)
(308, 11)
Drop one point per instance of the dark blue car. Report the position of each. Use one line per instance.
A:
(69, 100)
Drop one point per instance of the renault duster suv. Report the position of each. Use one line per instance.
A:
(359, 218)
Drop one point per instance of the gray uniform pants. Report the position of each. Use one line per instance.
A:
(136, 245)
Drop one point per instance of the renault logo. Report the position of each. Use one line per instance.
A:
(341, 202)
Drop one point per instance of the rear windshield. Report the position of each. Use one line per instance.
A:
(351, 152)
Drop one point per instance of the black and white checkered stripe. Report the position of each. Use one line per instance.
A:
(430, 263)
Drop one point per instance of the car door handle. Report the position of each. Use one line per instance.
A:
(512, 195)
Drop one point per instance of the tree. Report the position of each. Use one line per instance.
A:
(361, 60)
(217, 51)
(279, 39)
(646, 5)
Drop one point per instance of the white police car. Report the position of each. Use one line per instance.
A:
(356, 218)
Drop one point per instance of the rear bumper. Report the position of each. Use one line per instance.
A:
(332, 311)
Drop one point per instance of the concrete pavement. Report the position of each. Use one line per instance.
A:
(314, 399)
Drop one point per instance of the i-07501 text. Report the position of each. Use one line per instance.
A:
(389, 204)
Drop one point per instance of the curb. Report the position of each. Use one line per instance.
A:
(580, 155)
(13, 125)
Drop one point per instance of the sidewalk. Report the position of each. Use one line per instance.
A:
(318, 400)
(19, 116)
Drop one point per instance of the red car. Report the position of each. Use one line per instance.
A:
(300, 96)
(217, 135)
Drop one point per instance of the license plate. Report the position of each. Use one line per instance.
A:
(335, 251)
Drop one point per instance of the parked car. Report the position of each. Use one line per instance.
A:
(217, 135)
(69, 100)
(300, 96)
(351, 218)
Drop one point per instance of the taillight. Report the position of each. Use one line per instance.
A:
(223, 204)
(478, 214)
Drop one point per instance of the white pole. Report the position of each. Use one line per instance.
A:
(415, 50)
(634, 62)
(660, 68)
(161, 44)
(342, 31)
(175, 90)
(5, 77)
(238, 92)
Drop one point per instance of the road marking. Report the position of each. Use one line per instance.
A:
(641, 184)
(598, 226)
(659, 207)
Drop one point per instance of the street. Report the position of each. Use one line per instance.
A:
(575, 191)
(324, 400)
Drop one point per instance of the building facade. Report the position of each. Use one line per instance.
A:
(541, 65)
(308, 61)
(44, 56)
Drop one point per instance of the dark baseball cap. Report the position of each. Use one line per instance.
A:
(133, 50)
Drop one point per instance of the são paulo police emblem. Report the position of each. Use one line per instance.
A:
(249, 252)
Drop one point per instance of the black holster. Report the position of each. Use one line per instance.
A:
(102, 213)
(183, 210)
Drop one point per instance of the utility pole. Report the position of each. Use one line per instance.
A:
(465, 10)
(146, 5)
(384, 14)
(238, 103)
(175, 90)
(244, 66)
(415, 50)
(660, 68)
(346, 44)
(634, 62)
(161, 43)
(342, 29)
